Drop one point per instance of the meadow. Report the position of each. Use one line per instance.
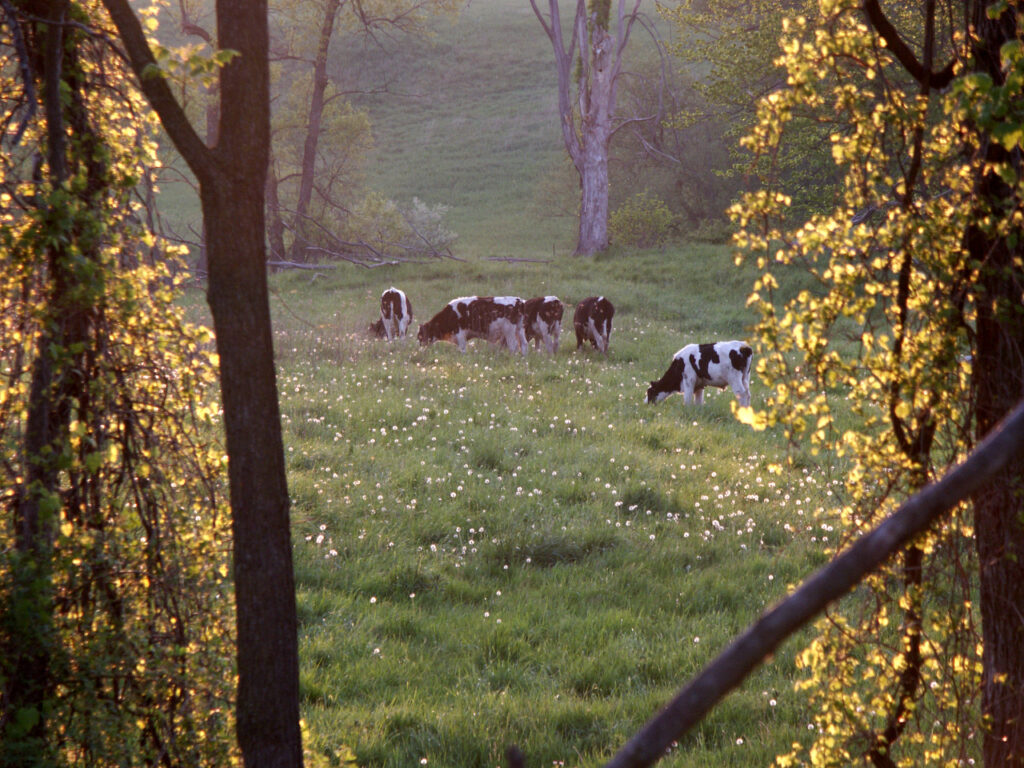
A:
(493, 550)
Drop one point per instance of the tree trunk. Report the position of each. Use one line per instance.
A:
(275, 226)
(592, 236)
(596, 104)
(999, 509)
(587, 140)
(999, 375)
(268, 671)
(28, 617)
(232, 179)
(316, 112)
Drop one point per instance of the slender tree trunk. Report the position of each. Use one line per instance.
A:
(309, 149)
(275, 226)
(56, 382)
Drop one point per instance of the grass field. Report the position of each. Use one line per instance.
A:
(493, 550)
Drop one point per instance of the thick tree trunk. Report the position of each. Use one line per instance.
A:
(596, 104)
(999, 376)
(268, 693)
(999, 509)
(587, 141)
(592, 236)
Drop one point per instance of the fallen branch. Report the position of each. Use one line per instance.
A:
(512, 259)
(297, 265)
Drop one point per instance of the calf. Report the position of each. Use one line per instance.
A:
(395, 313)
(543, 321)
(499, 319)
(593, 322)
(695, 366)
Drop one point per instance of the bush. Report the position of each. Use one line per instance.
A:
(642, 221)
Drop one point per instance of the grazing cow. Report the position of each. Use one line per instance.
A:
(395, 313)
(499, 319)
(543, 322)
(695, 366)
(593, 322)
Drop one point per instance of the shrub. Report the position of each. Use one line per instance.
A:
(642, 221)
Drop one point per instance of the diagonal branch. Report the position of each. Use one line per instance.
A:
(901, 50)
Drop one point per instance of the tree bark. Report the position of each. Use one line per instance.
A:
(999, 375)
(28, 618)
(232, 179)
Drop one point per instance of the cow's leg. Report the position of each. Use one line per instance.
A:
(460, 339)
(553, 334)
(698, 396)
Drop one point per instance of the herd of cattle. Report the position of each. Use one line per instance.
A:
(513, 322)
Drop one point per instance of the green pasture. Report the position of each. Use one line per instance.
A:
(495, 550)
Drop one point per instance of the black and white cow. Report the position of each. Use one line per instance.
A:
(695, 366)
(395, 313)
(593, 322)
(499, 319)
(543, 322)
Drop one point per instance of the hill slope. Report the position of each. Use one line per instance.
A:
(469, 120)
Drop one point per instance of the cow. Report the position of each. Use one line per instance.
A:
(695, 366)
(543, 322)
(593, 322)
(395, 313)
(499, 319)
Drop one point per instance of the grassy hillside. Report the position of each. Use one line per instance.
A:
(469, 120)
(493, 550)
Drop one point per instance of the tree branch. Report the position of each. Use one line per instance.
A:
(902, 51)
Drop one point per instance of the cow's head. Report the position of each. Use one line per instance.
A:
(655, 394)
(424, 334)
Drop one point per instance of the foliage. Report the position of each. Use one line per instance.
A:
(889, 330)
(126, 574)
(389, 232)
(732, 51)
(642, 221)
